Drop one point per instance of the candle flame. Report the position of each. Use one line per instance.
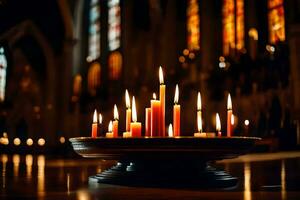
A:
(134, 114)
(199, 104)
(218, 122)
(100, 118)
(232, 119)
(176, 97)
(127, 99)
(95, 116)
(116, 114)
(154, 96)
(229, 103)
(161, 76)
(199, 122)
(170, 131)
(110, 126)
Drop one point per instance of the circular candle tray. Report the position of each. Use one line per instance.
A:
(180, 162)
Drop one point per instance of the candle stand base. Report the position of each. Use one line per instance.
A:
(181, 162)
(167, 174)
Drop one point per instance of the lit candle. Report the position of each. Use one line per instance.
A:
(170, 131)
(155, 116)
(176, 113)
(109, 133)
(162, 98)
(94, 125)
(218, 125)
(128, 111)
(115, 122)
(199, 125)
(229, 114)
(135, 127)
(100, 120)
(199, 113)
(148, 122)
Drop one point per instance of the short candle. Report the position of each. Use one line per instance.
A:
(110, 134)
(94, 125)
(135, 127)
(229, 114)
(115, 122)
(155, 116)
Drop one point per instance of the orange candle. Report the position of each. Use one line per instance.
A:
(162, 98)
(94, 125)
(155, 116)
(135, 127)
(176, 113)
(218, 125)
(109, 133)
(229, 114)
(148, 122)
(128, 111)
(116, 121)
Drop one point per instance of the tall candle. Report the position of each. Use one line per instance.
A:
(128, 111)
(162, 98)
(148, 122)
(155, 116)
(229, 114)
(199, 113)
(170, 131)
(135, 127)
(94, 125)
(116, 121)
(218, 125)
(176, 113)
(109, 133)
(100, 120)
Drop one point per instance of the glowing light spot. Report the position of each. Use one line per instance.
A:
(17, 141)
(41, 142)
(29, 142)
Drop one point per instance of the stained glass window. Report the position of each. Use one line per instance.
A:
(276, 21)
(114, 24)
(240, 33)
(77, 83)
(3, 68)
(94, 31)
(233, 25)
(115, 65)
(193, 25)
(94, 78)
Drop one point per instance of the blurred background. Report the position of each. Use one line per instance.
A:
(59, 60)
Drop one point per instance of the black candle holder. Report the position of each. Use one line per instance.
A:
(179, 162)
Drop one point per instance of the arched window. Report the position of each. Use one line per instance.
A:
(94, 78)
(94, 31)
(115, 65)
(240, 25)
(3, 68)
(114, 24)
(233, 25)
(77, 84)
(193, 25)
(276, 21)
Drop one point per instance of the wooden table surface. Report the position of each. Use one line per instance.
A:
(262, 176)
